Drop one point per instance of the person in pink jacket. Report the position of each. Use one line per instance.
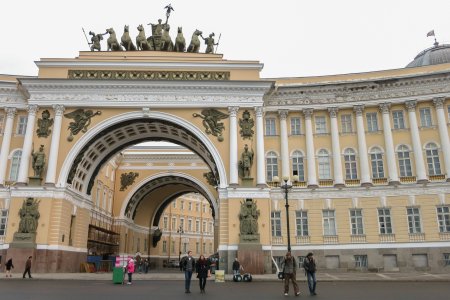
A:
(130, 270)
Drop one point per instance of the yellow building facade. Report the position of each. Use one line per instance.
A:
(360, 162)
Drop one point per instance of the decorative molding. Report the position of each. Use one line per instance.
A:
(10, 112)
(283, 114)
(259, 111)
(384, 107)
(307, 112)
(358, 109)
(439, 102)
(233, 110)
(147, 75)
(333, 112)
(32, 109)
(59, 109)
(411, 105)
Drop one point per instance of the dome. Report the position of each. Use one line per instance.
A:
(439, 54)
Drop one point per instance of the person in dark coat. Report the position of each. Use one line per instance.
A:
(28, 267)
(309, 264)
(188, 266)
(203, 272)
(236, 266)
(9, 265)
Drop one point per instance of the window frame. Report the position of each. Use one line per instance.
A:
(356, 221)
(351, 167)
(270, 127)
(275, 223)
(329, 222)
(301, 223)
(320, 123)
(372, 122)
(404, 161)
(414, 220)
(298, 165)
(346, 125)
(296, 128)
(385, 220)
(398, 119)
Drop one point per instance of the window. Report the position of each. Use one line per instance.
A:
(350, 164)
(164, 246)
(204, 227)
(15, 163)
(275, 220)
(190, 206)
(174, 203)
(2, 123)
(356, 220)
(174, 223)
(190, 225)
(413, 220)
(172, 247)
(197, 226)
(270, 127)
(446, 259)
(165, 223)
(443, 214)
(204, 208)
(197, 206)
(384, 220)
(425, 117)
(372, 122)
(271, 165)
(361, 261)
(181, 224)
(399, 120)
(324, 164)
(329, 222)
(301, 219)
(404, 162)
(181, 205)
(346, 124)
(434, 166)
(22, 125)
(3, 221)
(321, 125)
(376, 158)
(298, 168)
(295, 126)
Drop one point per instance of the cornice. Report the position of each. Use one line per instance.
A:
(10, 95)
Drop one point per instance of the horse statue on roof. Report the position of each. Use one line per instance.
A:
(127, 43)
(141, 40)
(180, 42)
(194, 46)
(113, 43)
(166, 41)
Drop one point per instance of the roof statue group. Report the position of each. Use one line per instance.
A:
(160, 39)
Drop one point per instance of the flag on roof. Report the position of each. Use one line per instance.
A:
(431, 33)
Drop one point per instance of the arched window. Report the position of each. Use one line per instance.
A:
(15, 163)
(298, 166)
(376, 158)
(323, 159)
(404, 161)
(271, 165)
(350, 164)
(434, 166)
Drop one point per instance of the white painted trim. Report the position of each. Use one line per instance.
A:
(358, 246)
(60, 247)
(228, 247)
(163, 168)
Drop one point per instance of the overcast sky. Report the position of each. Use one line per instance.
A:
(292, 38)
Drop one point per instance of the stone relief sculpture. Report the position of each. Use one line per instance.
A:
(29, 215)
(82, 119)
(44, 125)
(127, 179)
(246, 163)
(211, 118)
(248, 217)
(246, 124)
(210, 178)
(38, 162)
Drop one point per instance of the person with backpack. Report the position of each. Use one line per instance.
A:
(289, 267)
(309, 264)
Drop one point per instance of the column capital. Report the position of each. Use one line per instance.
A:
(259, 111)
(439, 102)
(411, 105)
(32, 109)
(10, 112)
(333, 111)
(233, 110)
(308, 112)
(283, 114)
(59, 109)
(384, 107)
(358, 109)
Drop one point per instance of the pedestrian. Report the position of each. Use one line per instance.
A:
(203, 272)
(188, 265)
(28, 267)
(290, 272)
(236, 267)
(130, 270)
(146, 265)
(309, 264)
(9, 265)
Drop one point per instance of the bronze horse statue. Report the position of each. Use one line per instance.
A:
(113, 43)
(180, 42)
(141, 40)
(194, 46)
(166, 41)
(127, 43)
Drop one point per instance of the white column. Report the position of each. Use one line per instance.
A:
(310, 155)
(10, 113)
(362, 146)
(416, 143)
(443, 133)
(27, 145)
(284, 144)
(54, 146)
(389, 144)
(233, 146)
(337, 162)
(260, 164)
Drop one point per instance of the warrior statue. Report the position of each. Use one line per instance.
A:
(38, 161)
(29, 215)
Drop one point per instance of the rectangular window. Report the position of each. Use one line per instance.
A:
(372, 122)
(443, 214)
(2, 123)
(346, 123)
(3, 220)
(321, 124)
(425, 117)
(361, 261)
(204, 227)
(413, 220)
(172, 248)
(174, 203)
(164, 246)
(301, 219)
(190, 206)
(174, 223)
(275, 219)
(22, 125)
(197, 226)
(190, 225)
(181, 224)
(295, 126)
(270, 127)
(329, 222)
(197, 206)
(384, 220)
(165, 223)
(399, 121)
(181, 205)
(446, 259)
(356, 220)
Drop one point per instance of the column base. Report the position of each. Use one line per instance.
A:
(394, 183)
(231, 185)
(261, 185)
(424, 181)
(367, 184)
(313, 186)
(21, 184)
(49, 184)
(339, 185)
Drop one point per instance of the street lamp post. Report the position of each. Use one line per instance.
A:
(180, 231)
(286, 189)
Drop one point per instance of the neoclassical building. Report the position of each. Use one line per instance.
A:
(359, 163)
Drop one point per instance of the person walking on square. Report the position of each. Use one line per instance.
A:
(188, 265)
(236, 267)
(9, 265)
(28, 267)
(130, 270)
(203, 272)
(289, 266)
(309, 264)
